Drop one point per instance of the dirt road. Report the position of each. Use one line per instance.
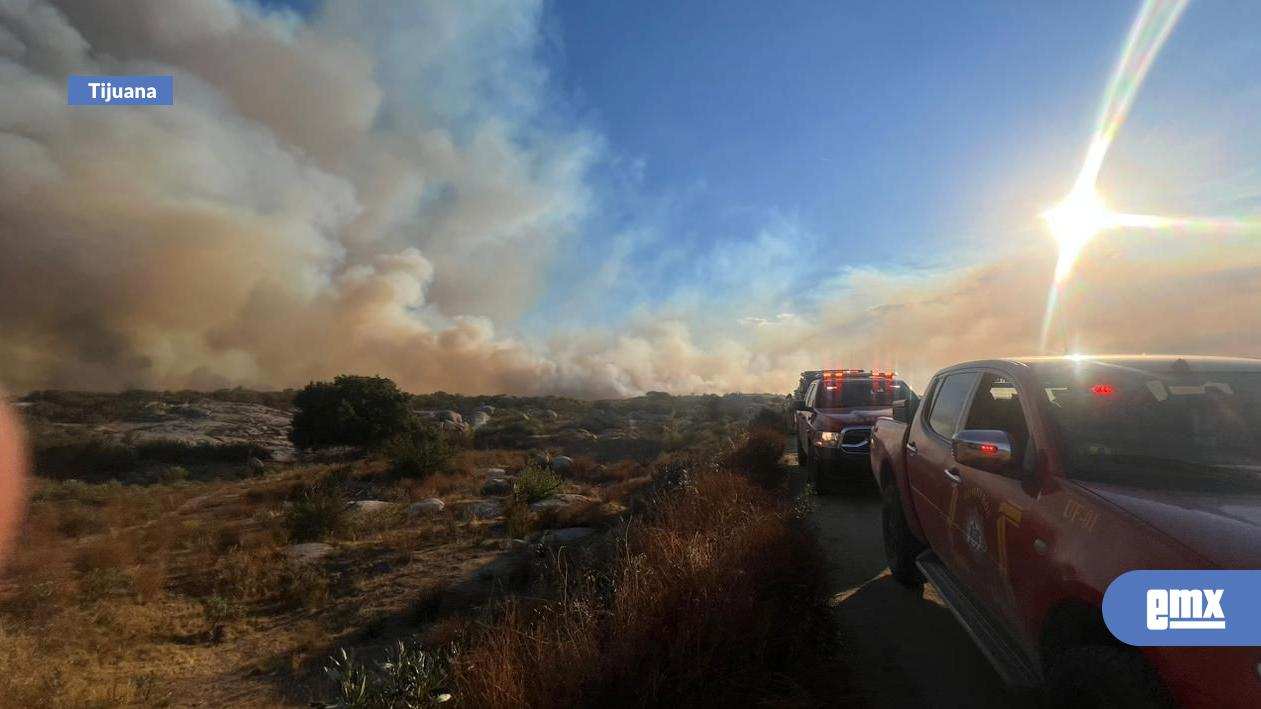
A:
(904, 648)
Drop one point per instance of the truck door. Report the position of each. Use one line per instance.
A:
(805, 418)
(996, 510)
(934, 490)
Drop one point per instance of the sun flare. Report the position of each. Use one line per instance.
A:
(1073, 223)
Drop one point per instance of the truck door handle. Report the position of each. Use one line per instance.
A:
(953, 475)
(912, 449)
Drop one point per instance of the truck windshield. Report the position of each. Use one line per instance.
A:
(857, 392)
(1157, 428)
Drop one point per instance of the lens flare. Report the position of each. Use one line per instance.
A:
(1082, 215)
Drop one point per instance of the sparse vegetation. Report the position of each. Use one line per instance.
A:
(319, 512)
(716, 590)
(139, 549)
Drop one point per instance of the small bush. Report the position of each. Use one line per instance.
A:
(419, 452)
(408, 678)
(93, 460)
(306, 586)
(536, 483)
(758, 456)
(318, 513)
(350, 410)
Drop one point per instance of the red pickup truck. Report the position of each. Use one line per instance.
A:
(1022, 488)
(833, 423)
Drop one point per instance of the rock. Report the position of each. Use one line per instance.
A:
(479, 418)
(368, 506)
(558, 502)
(485, 509)
(308, 553)
(568, 535)
(426, 507)
(508, 569)
(561, 463)
(485, 409)
(454, 425)
(452, 416)
(497, 486)
(255, 465)
(493, 472)
(541, 458)
(547, 415)
(548, 504)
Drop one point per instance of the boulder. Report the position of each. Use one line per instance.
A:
(558, 502)
(548, 504)
(566, 536)
(452, 416)
(547, 415)
(479, 418)
(308, 553)
(493, 472)
(497, 486)
(486, 509)
(453, 425)
(561, 463)
(485, 409)
(358, 507)
(541, 458)
(426, 507)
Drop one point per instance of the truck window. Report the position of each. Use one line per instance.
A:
(858, 392)
(996, 407)
(949, 401)
(1172, 428)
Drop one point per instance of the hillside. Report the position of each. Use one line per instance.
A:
(179, 550)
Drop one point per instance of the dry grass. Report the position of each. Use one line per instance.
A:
(714, 591)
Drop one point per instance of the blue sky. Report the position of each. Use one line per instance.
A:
(866, 134)
(604, 198)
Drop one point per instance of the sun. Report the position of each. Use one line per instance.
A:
(1074, 222)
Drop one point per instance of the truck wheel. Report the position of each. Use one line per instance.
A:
(900, 545)
(823, 485)
(1097, 676)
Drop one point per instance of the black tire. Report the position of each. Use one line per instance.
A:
(823, 485)
(900, 545)
(1099, 676)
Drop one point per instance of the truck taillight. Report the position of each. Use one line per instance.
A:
(1103, 389)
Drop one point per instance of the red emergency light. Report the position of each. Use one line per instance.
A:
(1101, 389)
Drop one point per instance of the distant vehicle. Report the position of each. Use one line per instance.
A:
(834, 419)
(1022, 488)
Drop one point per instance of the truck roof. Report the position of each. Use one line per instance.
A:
(1201, 363)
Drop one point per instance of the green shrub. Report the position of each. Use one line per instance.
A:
(350, 410)
(419, 452)
(536, 483)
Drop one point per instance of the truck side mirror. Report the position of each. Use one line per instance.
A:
(983, 449)
(904, 409)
